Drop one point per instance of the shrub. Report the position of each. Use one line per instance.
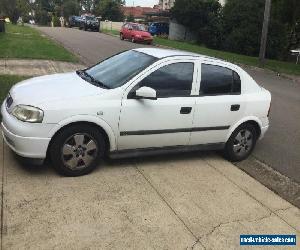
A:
(55, 20)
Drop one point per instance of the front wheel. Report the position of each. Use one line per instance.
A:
(121, 36)
(132, 39)
(76, 150)
(241, 143)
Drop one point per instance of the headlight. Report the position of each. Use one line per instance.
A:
(28, 113)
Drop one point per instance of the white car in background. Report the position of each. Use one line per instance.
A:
(142, 101)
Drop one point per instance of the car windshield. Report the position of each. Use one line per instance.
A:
(139, 27)
(117, 70)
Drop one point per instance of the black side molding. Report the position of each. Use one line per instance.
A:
(169, 131)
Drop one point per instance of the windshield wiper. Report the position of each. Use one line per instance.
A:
(89, 78)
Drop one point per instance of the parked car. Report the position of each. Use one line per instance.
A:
(159, 28)
(89, 23)
(135, 32)
(74, 21)
(142, 101)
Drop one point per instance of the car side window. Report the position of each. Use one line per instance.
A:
(217, 80)
(236, 87)
(173, 80)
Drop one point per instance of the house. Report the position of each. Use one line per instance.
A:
(139, 13)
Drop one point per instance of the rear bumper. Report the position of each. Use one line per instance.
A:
(263, 131)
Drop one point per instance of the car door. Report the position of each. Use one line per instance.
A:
(219, 105)
(166, 121)
(125, 31)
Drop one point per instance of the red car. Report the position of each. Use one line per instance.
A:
(135, 32)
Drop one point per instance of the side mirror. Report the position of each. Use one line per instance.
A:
(145, 93)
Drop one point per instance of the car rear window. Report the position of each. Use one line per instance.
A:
(217, 80)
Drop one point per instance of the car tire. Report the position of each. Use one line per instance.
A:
(132, 39)
(76, 150)
(121, 36)
(85, 28)
(241, 143)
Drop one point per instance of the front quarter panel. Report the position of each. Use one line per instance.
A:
(103, 110)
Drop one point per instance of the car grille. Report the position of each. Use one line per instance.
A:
(9, 101)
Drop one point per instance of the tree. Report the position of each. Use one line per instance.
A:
(202, 17)
(242, 29)
(287, 12)
(14, 8)
(71, 7)
(111, 10)
(130, 18)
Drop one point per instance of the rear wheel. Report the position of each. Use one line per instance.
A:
(241, 143)
(76, 150)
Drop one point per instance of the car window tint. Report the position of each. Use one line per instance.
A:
(236, 83)
(171, 80)
(217, 80)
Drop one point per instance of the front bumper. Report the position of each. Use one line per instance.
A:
(145, 40)
(25, 139)
(31, 147)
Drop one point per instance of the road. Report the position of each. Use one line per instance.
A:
(280, 149)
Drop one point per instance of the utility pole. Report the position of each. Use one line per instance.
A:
(264, 34)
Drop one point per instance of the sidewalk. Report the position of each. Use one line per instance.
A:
(35, 67)
(189, 201)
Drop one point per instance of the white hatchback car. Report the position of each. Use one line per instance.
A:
(141, 101)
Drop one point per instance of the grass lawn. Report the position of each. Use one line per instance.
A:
(6, 82)
(278, 66)
(113, 32)
(27, 43)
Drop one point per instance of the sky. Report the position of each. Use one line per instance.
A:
(144, 3)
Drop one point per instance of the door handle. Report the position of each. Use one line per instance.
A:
(235, 107)
(185, 110)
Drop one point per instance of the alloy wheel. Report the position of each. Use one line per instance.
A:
(79, 151)
(243, 142)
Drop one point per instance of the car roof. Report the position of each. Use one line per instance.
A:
(163, 53)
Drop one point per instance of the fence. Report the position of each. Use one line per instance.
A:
(108, 25)
(180, 32)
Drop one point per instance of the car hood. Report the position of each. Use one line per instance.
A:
(55, 87)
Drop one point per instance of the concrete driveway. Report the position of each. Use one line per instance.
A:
(280, 149)
(192, 201)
